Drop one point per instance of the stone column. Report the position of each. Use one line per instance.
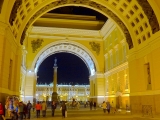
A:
(54, 94)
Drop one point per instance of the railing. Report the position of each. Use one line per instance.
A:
(147, 110)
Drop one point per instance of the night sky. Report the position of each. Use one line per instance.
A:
(71, 70)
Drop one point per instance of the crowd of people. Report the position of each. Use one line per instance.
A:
(19, 110)
(15, 110)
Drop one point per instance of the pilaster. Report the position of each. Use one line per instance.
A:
(29, 86)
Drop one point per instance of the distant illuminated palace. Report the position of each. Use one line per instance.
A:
(65, 92)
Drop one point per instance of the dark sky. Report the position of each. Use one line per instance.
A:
(71, 69)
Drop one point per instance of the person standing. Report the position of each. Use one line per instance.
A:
(38, 108)
(24, 109)
(104, 106)
(91, 105)
(108, 107)
(44, 108)
(20, 110)
(33, 106)
(94, 104)
(64, 109)
(29, 106)
(53, 107)
(1, 111)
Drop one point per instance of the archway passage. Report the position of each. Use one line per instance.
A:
(71, 70)
(65, 46)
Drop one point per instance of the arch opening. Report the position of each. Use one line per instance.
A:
(71, 69)
(68, 48)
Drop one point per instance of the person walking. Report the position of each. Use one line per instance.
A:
(44, 108)
(91, 105)
(94, 104)
(1, 111)
(108, 107)
(78, 105)
(104, 106)
(64, 109)
(29, 106)
(38, 108)
(24, 109)
(53, 107)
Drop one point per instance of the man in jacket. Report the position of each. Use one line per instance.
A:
(29, 106)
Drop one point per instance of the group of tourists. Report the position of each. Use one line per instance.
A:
(15, 111)
(19, 110)
(107, 107)
(43, 107)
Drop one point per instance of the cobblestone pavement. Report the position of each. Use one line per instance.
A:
(87, 114)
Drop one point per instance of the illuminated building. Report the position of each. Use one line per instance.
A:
(121, 52)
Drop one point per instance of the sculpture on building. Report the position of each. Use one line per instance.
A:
(36, 44)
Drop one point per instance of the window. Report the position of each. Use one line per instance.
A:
(148, 75)
(106, 63)
(117, 57)
(111, 61)
(124, 52)
(10, 74)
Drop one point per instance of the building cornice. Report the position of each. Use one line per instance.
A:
(117, 69)
(64, 32)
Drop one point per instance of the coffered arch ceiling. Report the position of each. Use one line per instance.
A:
(130, 15)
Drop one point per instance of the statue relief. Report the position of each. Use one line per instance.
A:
(36, 44)
(95, 47)
(55, 62)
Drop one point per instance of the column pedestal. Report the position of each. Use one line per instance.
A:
(54, 96)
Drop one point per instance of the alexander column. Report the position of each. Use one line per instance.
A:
(54, 94)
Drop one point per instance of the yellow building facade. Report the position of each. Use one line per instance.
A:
(122, 56)
(65, 92)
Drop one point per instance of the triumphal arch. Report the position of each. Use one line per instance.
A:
(119, 41)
